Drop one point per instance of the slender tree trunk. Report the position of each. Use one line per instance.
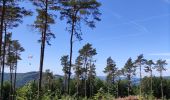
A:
(140, 82)
(85, 94)
(40, 69)
(129, 85)
(3, 63)
(90, 79)
(65, 82)
(151, 82)
(15, 76)
(11, 90)
(118, 88)
(11, 73)
(1, 35)
(161, 86)
(78, 89)
(42, 51)
(71, 52)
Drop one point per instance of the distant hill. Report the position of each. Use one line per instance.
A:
(24, 78)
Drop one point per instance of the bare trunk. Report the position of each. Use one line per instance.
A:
(151, 82)
(11, 88)
(140, 82)
(15, 77)
(41, 68)
(90, 79)
(129, 85)
(1, 35)
(161, 86)
(65, 82)
(42, 51)
(85, 94)
(11, 73)
(3, 63)
(71, 52)
(77, 89)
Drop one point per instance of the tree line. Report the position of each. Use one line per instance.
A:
(85, 84)
(75, 13)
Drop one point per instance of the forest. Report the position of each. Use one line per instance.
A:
(135, 80)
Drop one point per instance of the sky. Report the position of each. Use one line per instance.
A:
(128, 28)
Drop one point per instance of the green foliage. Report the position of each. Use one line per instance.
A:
(101, 95)
(129, 71)
(156, 87)
(6, 90)
(27, 92)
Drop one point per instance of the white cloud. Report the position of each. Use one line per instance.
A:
(159, 54)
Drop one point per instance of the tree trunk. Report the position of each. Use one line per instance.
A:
(77, 89)
(71, 52)
(11, 72)
(42, 51)
(3, 63)
(129, 85)
(11, 88)
(85, 94)
(15, 77)
(140, 82)
(1, 35)
(151, 82)
(118, 88)
(161, 86)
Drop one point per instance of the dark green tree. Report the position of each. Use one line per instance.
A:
(129, 71)
(78, 73)
(43, 21)
(91, 77)
(10, 61)
(65, 65)
(87, 53)
(13, 16)
(17, 50)
(110, 70)
(75, 12)
(118, 75)
(149, 69)
(139, 62)
(160, 67)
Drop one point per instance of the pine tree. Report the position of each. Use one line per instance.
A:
(129, 71)
(118, 74)
(160, 67)
(78, 73)
(91, 76)
(87, 53)
(75, 12)
(13, 16)
(139, 62)
(149, 69)
(43, 21)
(65, 65)
(110, 70)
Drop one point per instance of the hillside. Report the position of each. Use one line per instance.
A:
(23, 78)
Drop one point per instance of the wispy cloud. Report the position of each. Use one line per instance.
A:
(159, 54)
(167, 1)
(133, 23)
(154, 17)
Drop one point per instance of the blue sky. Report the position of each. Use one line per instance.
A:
(128, 28)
